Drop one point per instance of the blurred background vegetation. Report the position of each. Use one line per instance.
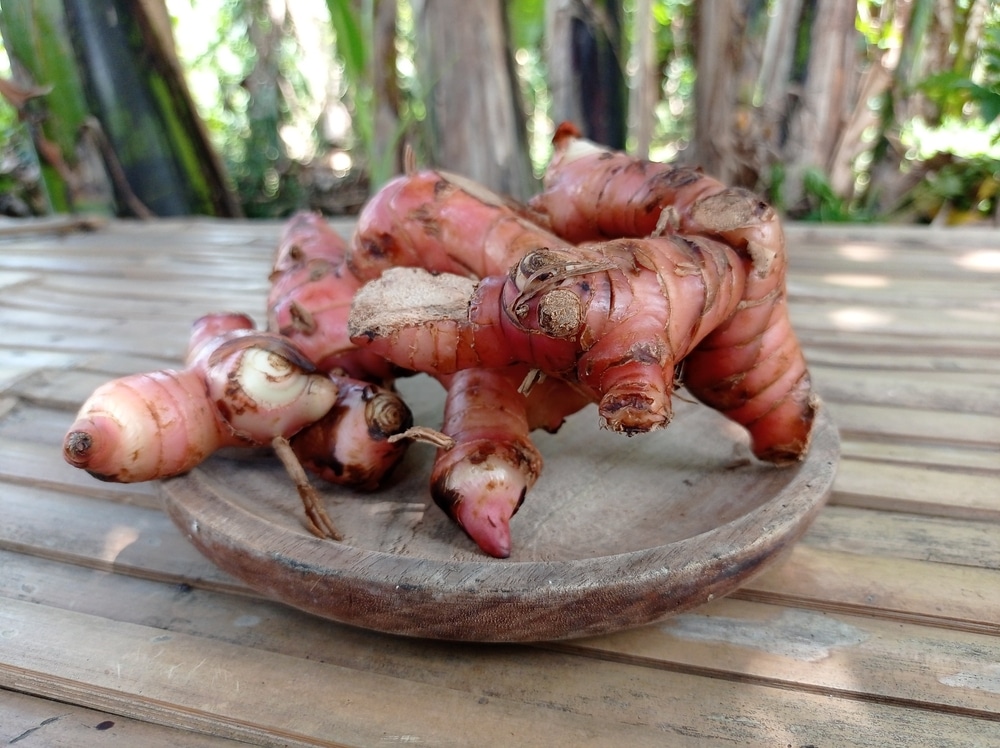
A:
(835, 110)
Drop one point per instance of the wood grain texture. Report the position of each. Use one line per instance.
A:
(32, 721)
(879, 627)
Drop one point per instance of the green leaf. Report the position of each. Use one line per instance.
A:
(943, 86)
(954, 90)
(527, 23)
(36, 37)
(350, 41)
(988, 100)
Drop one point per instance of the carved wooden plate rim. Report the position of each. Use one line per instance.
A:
(492, 600)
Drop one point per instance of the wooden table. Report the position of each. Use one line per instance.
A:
(881, 627)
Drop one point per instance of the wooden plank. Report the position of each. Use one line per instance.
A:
(172, 679)
(30, 721)
(133, 306)
(145, 543)
(890, 291)
(956, 597)
(966, 459)
(134, 540)
(912, 237)
(953, 392)
(59, 225)
(150, 241)
(508, 672)
(894, 535)
(170, 270)
(41, 465)
(847, 655)
(39, 376)
(930, 361)
(869, 318)
(161, 340)
(236, 614)
(68, 324)
(23, 365)
(889, 344)
(28, 422)
(145, 251)
(10, 280)
(157, 244)
(902, 664)
(893, 261)
(117, 364)
(187, 295)
(897, 377)
(919, 490)
(895, 250)
(180, 680)
(915, 424)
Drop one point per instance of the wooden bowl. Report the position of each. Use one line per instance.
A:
(618, 532)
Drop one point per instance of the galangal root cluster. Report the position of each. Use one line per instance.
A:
(326, 408)
(622, 278)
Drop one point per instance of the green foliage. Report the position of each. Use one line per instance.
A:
(819, 203)
(353, 30)
(824, 204)
(22, 191)
(252, 86)
(973, 85)
(964, 188)
(8, 115)
(952, 91)
(526, 20)
(248, 89)
(967, 97)
(351, 43)
(351, 47)
(674, 55)
(990, 46)
(527, 23)
(35, 33)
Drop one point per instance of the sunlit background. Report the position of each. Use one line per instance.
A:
(293, 121)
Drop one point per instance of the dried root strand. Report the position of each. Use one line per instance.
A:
(409, 160)
(533, 377)
(318, 521)
(426, 435)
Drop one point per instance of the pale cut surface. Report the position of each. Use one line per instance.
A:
(404, 297)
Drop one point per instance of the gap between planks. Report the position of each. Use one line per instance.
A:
(546, 698)
(962, 598)
(755, 643)
(230, 690)
(76, 530)
(58, 723)
(777, 683)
